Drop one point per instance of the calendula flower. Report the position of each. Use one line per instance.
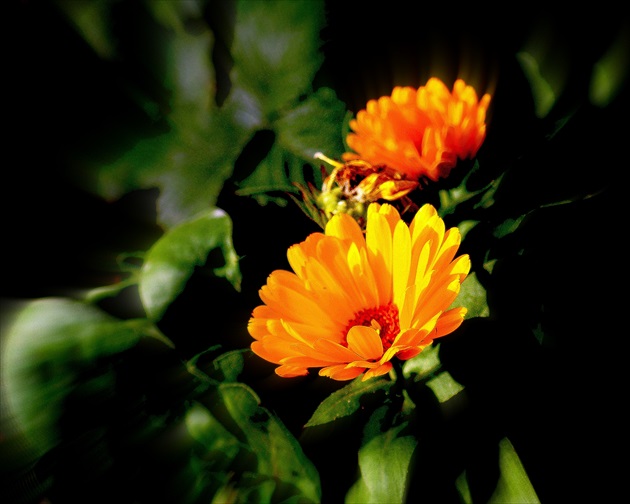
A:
(420, 132)
(356, 300)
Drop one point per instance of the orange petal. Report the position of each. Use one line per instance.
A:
(340, 372)
(365, 342)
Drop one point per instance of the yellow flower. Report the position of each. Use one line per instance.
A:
(355, 300)
(420, 133)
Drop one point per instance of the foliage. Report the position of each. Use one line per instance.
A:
(166, 159)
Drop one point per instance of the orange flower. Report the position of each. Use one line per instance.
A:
(420, 133)
(355, 301)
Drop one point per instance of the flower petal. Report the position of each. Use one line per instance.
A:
(365, 342)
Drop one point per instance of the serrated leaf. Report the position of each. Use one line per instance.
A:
(48, 342)
(313, 126)
(384, 460)
(278, 453)
(170, 262)
(345, 401)
(276, 50)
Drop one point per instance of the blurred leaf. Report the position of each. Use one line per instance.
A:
(279, 454)
(514, 484)
(384, 460)
(472, 295)
(542, 92)
(276, 50)
(231, 364)
(214, 437)
(92, 21)
(189, 149)
(172, 259)
(310, 127)
(274, 173)
(276, 55)
(345, 401)
(187, 167)
(611, 72)
(313, 125)
(227, 367)
(48, 343)
(172, 14)
(190, 78)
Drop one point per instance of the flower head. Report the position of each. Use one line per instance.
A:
(350, 187)
(356, 300)
(420, 132)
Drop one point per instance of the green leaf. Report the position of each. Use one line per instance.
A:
(514, 484)
(214, 437)
(93, 22)
(542, 92)
(278, 453)
(312, 126)
(49, 341)
(276, 50)
(508, 226)
(425, 363)
(611, 72)
(190, 77)
(189, 147)
(188, 164)
(173, 14)
(472, 296)
(272, 174)
(172, 259)
(444, 386)
(384, 460)
(231, 364)
(346, 400)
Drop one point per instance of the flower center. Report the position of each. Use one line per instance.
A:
(384, 319)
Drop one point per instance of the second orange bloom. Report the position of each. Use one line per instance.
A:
(422, 132)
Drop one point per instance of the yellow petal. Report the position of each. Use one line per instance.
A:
(402, 252)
